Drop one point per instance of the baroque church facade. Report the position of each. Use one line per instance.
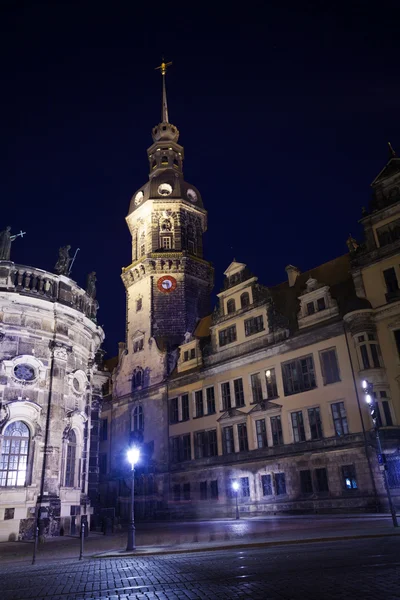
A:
(266, 390)
(50, 397)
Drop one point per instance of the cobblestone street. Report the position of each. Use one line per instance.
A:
(345, 569)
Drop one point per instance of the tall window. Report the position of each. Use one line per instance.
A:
(205, 443)
(185, 407)
(239, 393)
(299, 434)
(166, 242)
(180, 448)
(280, 483)
(230, 306)
(203, 490)
(226, 395)
(266, 484)
(256, 387)
(227, 434)
(276, 430)
(198, 397)
(214, 488)
(391, 282)
(138, 421)
(298, 375)
(227, 336)
(369, 351)
(253, 325)
(349, 477)
(245, 485)
(244, 300)
(104, 430)
(210, 400)
(71, 460)
(396, 334)
(340, 418)
(329, 366)
(321, 479)
(14, 457)
(137, 378)
(261, 431)
(383, 403)
(270, 380)
(314, 418)
(173, 410)
(242, 435)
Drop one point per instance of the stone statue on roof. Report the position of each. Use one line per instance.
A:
(91, 285)
(63, 262)
(352, 244)
(5, 242)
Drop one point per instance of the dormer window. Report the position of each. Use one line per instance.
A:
(230, 306)
(321, 304)
(389, 233)
(189, 354)
(310, 308)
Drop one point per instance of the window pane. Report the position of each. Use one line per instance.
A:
(228, 440)
(270, 379)
(349, 477)
(226, 396)
(245, 486)
(199, 403)
(314, 419)
(185, 407)
(299, 434)
(214, 489)
(266, 484)
(276, 428)
(261, 431)
(340, 418)
(210, 400)
(239, 393)
(375, 356)
(387, 413)
(280, 483)
(364, 357)
(298, 375)
(330, 369)
(256, 387)
(242, 434)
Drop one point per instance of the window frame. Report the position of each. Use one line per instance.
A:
(340, 418)
(329, 380)
(289, 380)
(227, 336)
(23, 458)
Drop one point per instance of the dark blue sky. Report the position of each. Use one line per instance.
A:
(284, 110)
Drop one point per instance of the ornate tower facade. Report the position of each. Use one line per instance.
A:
(168, 286)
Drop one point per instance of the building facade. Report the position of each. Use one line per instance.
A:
(50, 386)
(266, 390)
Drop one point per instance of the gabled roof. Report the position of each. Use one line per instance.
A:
(234, 267)
(389, 170)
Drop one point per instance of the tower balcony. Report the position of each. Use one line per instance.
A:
(36, 283)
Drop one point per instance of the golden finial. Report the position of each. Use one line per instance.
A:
(163, 67)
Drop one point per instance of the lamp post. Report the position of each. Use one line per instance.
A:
(235, 487)
(133, 457)
(373, 409)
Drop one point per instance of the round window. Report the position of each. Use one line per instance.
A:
(139, 198)
(164, 189)
(76, 384)
(24, 372)
(191, 194)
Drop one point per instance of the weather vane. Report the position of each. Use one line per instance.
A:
(163, 67)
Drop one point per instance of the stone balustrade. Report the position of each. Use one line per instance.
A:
(29, 281)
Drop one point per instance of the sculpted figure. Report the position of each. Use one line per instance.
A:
(91, 284)
(64, 260)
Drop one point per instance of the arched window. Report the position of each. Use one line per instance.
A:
(137, 378)
(14, 456)
(137, 420)
(230, 306)
(70, 460)
(164, 160)
(244, 300)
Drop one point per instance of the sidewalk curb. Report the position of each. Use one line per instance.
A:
(243, 544)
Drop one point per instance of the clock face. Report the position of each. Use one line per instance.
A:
(167, 284)
(164, 189)
(191, 194)
(139, 198)
(24, 372)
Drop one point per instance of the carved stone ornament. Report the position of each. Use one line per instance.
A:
(60, 351)
(4, 414)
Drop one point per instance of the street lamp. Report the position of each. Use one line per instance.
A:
(235, 487)
(370, 399)
(133, 457)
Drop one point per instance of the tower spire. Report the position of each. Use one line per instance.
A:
(164, 109)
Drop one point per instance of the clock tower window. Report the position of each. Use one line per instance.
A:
(166, 242)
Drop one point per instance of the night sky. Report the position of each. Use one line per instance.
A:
(284, 110)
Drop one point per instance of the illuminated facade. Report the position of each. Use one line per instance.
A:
(267, 389)
(50, 392)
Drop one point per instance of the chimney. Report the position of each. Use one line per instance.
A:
(293, 273)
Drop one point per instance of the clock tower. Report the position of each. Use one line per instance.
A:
(168, 283)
